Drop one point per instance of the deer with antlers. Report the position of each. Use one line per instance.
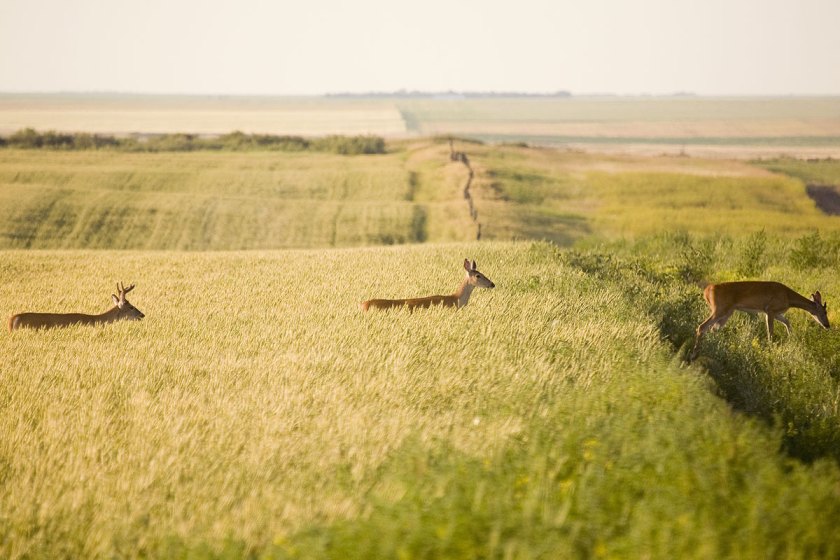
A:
(122, 311)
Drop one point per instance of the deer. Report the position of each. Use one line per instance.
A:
(771, 298)
(458, 299)
(122, 311)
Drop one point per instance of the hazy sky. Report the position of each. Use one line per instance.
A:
(321, 46)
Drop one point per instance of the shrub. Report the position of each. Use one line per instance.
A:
(752, 254)
(29, 138)
(810, 251)
(350, 145)
(26, 138)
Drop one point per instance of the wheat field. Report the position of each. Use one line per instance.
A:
(225, 201)
(274, 200)
(257, 412)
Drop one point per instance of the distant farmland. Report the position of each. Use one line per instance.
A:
(743, 127)
(130, 114)
(231, 200)
(739, 126)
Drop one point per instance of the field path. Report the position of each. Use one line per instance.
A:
(463, 158)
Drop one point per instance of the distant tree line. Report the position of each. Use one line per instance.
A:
(30, 139)
(418, 94)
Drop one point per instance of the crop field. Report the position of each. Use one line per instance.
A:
(130, 114)
(629, 116)
(257, 412)
(732, 127)
(274, 200)
(729, 127)
(201, 201)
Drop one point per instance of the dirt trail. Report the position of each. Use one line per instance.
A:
(462, 157)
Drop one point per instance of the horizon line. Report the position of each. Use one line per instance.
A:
(407, 94)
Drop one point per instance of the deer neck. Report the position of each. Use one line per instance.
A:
(801, 302)
(109, 316)
(464, 291)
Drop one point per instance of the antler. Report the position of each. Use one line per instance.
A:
(122, 290)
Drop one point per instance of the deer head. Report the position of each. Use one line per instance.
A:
(127, 312)
(821, 314)
(475, 277)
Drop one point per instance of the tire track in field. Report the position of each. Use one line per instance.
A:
(462, 157)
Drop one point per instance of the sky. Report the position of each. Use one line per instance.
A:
(305, 47)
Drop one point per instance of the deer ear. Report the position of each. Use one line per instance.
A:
(467, 264)
(817, 297)
(473, 265)
(115, 299)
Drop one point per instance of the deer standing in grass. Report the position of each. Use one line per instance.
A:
(458, 299)
(771, 298)
(122, 311)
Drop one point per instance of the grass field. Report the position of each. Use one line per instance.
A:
(210, 201)
(257, 412)
(575, 196)
(274, 200)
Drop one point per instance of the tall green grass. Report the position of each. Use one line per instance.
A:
(793, 383)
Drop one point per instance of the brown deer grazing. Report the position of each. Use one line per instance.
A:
(771, 298)
(122, 311)
(458, 299)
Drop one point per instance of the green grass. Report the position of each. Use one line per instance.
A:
(570, 197)
(257, 412)
(822, 172)
(793, 383)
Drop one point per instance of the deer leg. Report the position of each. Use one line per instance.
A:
(711, 324)
(702, 329)
(769, 320)
(721, 321)
(784, 320)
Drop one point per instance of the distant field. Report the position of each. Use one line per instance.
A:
(221, 201)
(198, 115)
(274, 200)
(630, 196)
(704, 126)
(729, 127)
